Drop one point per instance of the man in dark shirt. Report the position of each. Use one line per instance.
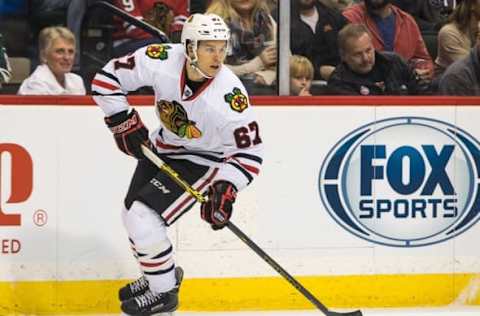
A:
(463, 76)
(364, 71)
(314, 31)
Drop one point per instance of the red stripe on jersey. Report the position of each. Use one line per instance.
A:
(152, 265)
(182, 204)
(104, 84)
(249, 168)
(166, 146)
(252, 169)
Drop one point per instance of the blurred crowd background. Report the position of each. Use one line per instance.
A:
(336, 47)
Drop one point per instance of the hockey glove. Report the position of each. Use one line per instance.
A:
(218, 208)
(129, 132)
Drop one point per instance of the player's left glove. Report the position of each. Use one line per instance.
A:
(218, 209)
(129, 132)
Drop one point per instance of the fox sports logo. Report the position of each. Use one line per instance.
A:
(404, 182)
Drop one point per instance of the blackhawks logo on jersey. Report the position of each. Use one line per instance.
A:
(158, 51)
(174, 117)
(237, 100)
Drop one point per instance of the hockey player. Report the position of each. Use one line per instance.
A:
(207, 132)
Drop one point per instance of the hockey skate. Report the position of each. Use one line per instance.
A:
(137, 287)
(153, 304)
(140, 286)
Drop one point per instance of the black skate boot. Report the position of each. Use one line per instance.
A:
(140, 286)
(149, 303)
(137, 287)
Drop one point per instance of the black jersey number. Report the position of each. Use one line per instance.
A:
(243, 137)
(129, 63)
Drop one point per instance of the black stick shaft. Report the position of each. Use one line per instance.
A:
(259, 251)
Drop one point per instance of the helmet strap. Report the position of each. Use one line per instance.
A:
(195, 67)
(194, 61)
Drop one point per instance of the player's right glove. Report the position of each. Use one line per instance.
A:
(129, 132)
(218, 208)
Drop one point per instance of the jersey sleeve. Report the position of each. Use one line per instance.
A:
(119, 76)
(242, 142)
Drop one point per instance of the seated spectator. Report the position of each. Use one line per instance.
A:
(364, 71)
(392, 30)
(428, 17)
(198, 6)
(457, 37)
(252, 49)
(445, 7)
(339, 5)
(301, 75)
(5, 71)
(175, 11)
(53, 76)
(314, 31)
(166, 15)
(461, 77)
(45, 13)
(272, 5)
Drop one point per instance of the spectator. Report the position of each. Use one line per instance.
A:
(314, 31)
(53, 76)
(5, 71)
(364, 71)
(198, 6)
(176, 12)
(457, 37)
(340, 5)
(428, 17)
(166, 15)
(301, 75)
(45, 13)
(462, 77)
(445, 7)
(272, 5)
(392, 29)
(253, 52)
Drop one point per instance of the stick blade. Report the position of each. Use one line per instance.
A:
(354, 313)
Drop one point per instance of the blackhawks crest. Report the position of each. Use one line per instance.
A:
(174, 117)
(158, 51)
(237, 100)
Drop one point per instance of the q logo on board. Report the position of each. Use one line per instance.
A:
(403, 182)
(17, 181)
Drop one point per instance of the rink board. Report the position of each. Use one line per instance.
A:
(63, 248)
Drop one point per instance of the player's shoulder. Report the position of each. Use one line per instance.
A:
(226, 76)
(165, 53)
(230, 92)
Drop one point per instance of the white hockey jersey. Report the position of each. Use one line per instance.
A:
(215, 126)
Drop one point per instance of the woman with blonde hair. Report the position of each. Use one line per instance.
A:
(252, 53)
(53, 76)
(457, 37)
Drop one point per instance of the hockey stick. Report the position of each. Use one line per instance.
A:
(155, 159)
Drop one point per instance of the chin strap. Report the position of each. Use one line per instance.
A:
(194, 65)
